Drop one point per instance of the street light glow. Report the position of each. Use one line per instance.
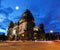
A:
(51, 31)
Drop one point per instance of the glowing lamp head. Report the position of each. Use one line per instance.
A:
(51, 31)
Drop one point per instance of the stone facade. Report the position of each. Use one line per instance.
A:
(26, 25)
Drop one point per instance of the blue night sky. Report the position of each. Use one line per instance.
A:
(44, 11)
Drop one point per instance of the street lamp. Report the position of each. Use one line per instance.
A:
(51, 31)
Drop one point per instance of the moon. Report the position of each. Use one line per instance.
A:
(17, 7)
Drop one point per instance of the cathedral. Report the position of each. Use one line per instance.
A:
(25, 29)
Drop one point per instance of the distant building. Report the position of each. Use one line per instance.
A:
(53, 36)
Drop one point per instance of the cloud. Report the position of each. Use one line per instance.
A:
(4, 18)
(2, 30)
(6, 11)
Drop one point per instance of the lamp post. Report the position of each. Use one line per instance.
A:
(51, 35)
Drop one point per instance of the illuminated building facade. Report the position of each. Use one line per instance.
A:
(25, 29)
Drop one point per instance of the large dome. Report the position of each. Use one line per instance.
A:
(27, 15)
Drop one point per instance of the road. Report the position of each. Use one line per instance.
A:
(50, 45)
